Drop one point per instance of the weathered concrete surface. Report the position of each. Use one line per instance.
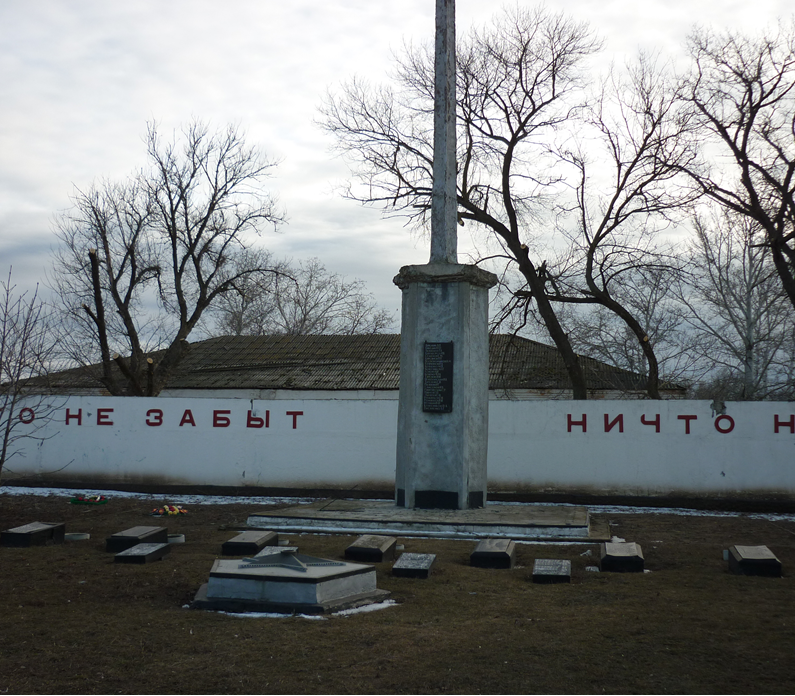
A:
(380, 517)
(442, 456)
(444, 205)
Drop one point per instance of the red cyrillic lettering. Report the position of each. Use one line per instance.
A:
(570, 422)
(687, 420)
(295, 415)
(728, 428)
(156, 415)
(257, 422)
(78, 416)
(187, 417)
(787, 424)
(103, 416)
(221, 419)
(27, 415)
(609, 425)
(655, 422)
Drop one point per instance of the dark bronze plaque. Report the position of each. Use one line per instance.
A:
(437, 385)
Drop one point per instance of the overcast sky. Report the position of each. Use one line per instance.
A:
(79, 79)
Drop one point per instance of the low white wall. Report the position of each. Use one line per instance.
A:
(620, 447)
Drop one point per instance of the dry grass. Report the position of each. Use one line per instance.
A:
(72, 621)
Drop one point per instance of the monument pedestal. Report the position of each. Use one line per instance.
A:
(444, 386)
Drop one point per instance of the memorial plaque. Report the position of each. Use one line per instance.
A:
(248, 543)
(372, 548)
(143, 553)
(493, 553)
(621, 557)
(548, 571)
(136, 535)
(413, 565)
(34, 534)
(754, 560)
(437, 383)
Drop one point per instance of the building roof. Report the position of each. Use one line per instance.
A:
(369, 362)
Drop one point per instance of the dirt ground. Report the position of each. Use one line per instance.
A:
(73, 621)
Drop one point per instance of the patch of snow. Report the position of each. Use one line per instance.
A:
(271, 615)
(172, 498)
(366, 608)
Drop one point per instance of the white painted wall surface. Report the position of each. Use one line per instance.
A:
(532, 445)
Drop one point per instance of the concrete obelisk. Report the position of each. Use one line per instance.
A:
(444, 347)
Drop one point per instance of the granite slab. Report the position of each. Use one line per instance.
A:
(493, 553)
(548, 571)
(413, 565)
(134, 536)
(754, 560)
(372, 548)
(143, 553)
(621, 557)
(248, 543)
(34, 534)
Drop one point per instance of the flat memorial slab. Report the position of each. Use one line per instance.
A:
(527, 522)
(134, 536)
(284, 580)
(372, 548)
(493, 553)
(413, 565)
(34, 534)
(143, 553)
(754, 560)
(548, 571)
(621, 557)
(249, 543)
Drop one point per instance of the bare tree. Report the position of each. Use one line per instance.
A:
(517, 82)
(648, 293)
(640, 138)
(26, 349)
(302, 299)
(742, 323)
(141, 261)
(743, 91)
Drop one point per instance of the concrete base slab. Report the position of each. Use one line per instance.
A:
(754, 560)
(621, 557)
(143, 553)
(246, 606)
(413, 565)
(493, 553)
(525, 522)
(249, 543)
(287, 581)
(134, 536)
(34, 534)
(548, 571)
(372, 548)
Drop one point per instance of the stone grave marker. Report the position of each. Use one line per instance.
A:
(134, 536)
(143, 553)
(34, 534)
(413, 565)
(548, 571)
(283, 580)
(249, 543)
(621, 557)
(754, 560)
(372, 548)
(493, 553)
